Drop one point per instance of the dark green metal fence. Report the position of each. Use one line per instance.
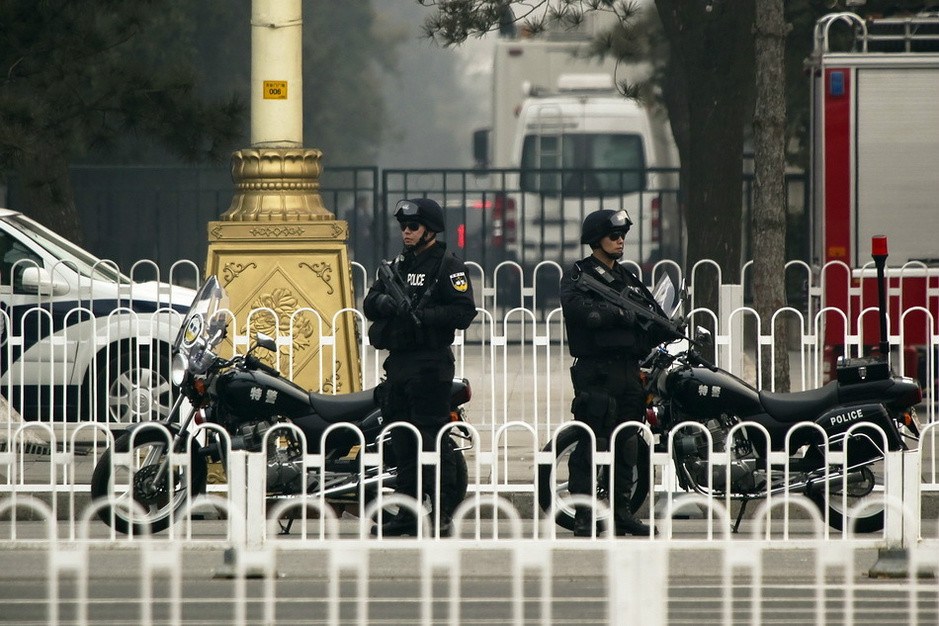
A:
(161, 213)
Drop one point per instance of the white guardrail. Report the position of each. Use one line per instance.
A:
(506, 484)
(691, 571)
(504, 555)
(515, 358)
(505, 581)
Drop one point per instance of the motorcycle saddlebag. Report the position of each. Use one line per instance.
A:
(861, 370)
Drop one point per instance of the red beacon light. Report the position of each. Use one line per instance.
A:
(879, 246)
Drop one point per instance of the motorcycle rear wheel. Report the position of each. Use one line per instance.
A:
(161, 501)
(350, 501)
(871, 519)
(564, 517)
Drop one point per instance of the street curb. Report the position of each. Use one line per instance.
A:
(895, 563)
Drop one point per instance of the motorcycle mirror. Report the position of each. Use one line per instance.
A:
(218, 324)
(703, 336)
(267, 342)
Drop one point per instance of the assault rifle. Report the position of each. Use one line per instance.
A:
(627, 301)
(395, 287)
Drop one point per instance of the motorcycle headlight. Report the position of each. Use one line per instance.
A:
(179, 368)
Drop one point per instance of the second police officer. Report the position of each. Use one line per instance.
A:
(420, 365)
(607, 343)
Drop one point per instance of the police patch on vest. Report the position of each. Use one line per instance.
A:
(459, 281)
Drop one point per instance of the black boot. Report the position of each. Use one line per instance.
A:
(402, 524)
(626, 523)
(446, 525)
(582, 522)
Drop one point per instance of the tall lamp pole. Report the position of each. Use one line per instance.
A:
(277, 249)
(276, 74)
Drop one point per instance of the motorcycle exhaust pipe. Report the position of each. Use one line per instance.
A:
(835, 480)
(351, 488)
(813, 484)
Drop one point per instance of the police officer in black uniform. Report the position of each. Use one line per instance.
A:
(606, 343)
(420, 366)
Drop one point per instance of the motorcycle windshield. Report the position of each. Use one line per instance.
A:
(665, 294)
(205, 318)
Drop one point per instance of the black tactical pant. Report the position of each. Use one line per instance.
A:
(607, 393)
(417, 391)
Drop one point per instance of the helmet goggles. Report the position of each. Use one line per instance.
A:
(406, 210)
(620, 221)
(602, 223)
(422, 210)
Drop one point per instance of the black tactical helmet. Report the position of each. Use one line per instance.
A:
(422, 210)
(603, 222)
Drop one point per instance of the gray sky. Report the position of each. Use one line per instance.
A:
(438, 97)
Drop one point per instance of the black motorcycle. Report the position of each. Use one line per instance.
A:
(701, 407)
(252, 403)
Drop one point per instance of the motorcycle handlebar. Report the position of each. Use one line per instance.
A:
(696, 359)
(692, 357)
(254, 363)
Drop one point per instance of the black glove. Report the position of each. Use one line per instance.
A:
(403, 309)
(626, 318)
(612, 315)
(594, 319)
(385, 305)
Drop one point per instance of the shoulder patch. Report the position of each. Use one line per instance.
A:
(459, 281)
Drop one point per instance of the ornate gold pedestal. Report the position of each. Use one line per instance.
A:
(278, 248)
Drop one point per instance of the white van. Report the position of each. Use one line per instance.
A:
(78, 339)
(582, 148)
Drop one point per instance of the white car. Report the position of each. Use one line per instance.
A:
(78, 339)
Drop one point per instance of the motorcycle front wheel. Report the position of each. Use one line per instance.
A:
(862, 487)
(547, 491)
(159, 498)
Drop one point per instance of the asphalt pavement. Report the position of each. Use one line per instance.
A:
(467, 581)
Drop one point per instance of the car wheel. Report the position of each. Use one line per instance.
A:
(136, 386)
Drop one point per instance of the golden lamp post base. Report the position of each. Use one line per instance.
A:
(279, 252)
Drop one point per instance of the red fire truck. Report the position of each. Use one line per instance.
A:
(875, 171)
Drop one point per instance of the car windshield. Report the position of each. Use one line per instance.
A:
(598, 164)
(86, 264)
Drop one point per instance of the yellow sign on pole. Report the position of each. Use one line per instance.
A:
(275, 90)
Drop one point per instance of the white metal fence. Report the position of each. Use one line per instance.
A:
(508, 581)
(516, 359)
(514, 355)
(508, 475)
(516, 309)
(500, 566)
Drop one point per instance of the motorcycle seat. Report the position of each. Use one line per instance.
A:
(800, 406)
(345, 407)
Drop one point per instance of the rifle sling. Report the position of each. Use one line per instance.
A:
(441, 268)
(425, 297)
